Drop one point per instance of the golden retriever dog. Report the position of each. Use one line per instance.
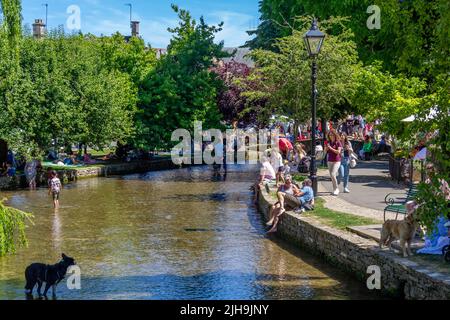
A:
(400, 230)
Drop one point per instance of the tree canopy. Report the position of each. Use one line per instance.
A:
(72, 89)
(181, 89)
(284, 76)
(413, 38)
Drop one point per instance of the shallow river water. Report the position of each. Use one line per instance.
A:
(183, 234)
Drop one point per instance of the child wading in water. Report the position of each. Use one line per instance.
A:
(55, 188)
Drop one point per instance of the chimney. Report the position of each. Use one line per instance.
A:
(135, 28)
(38, 28)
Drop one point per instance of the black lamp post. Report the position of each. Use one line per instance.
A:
(314, 40)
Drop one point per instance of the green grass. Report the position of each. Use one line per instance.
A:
(298, 177)
(337, 219)
(100, 153)
(57, 168)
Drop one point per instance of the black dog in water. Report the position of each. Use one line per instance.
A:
(50, 274)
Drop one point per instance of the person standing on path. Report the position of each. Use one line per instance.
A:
(334, 149)
(344, 170)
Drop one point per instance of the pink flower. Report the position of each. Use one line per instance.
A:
(445, 189)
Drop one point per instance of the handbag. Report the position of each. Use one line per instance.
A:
(320, 153)
(353, 161)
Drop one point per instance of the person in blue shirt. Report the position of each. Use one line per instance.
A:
(306, 194)
(11, 171)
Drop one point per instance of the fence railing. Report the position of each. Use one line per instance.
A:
(406, 170)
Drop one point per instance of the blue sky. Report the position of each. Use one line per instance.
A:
(108, 16)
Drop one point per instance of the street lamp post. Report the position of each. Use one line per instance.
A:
(313, 41)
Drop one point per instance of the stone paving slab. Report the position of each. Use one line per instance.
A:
(369, 184)
(374, 232)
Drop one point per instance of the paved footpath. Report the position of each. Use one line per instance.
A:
(369, 185)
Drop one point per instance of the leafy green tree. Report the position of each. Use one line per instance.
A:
(284, 76)
(434, 195)
(380, 95)
(12, 26)
(181, 89)
(66, 92)
(12, 229)
(413, 39)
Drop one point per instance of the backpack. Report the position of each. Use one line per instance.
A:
(304, 165)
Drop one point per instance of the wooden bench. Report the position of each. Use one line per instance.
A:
(397, 205)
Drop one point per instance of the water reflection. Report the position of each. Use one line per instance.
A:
(184, 234)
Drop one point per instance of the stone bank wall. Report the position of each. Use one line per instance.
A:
(19, 181)
(399, 277)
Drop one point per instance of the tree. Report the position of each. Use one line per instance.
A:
(434, 196)
(233, 105)
(69, 93)
(12, 26)
(12, 229)
(413, 38)
(380, 95)
(284, 76)
(181, 89)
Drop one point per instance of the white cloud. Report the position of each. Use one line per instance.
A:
(154, 31)
(235, 27)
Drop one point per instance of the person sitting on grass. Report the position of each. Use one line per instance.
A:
(299, 200)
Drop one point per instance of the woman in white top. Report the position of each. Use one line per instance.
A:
(266, 172)
(276, 160)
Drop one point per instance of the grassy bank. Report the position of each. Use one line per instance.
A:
(336, 219)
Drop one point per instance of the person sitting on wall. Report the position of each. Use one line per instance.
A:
(110, 156)
(366, 152)
(299, 200)
(10, 170)
(286, 195)
(382, 146)
(87, 159)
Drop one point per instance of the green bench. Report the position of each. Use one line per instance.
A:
(397, 205)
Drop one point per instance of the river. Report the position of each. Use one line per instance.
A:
(180, 234)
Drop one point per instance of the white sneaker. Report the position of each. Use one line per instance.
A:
(336, 192)
(346, 190)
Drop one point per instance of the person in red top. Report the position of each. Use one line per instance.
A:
(333, 149)
(285, 147)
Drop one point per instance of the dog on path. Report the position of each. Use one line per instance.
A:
(38, 273)
(401, 230)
